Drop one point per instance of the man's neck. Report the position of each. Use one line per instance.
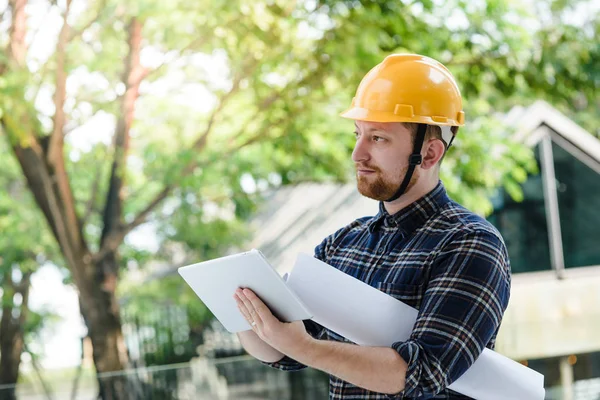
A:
(419, 190)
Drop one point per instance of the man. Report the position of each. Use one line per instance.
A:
(421, 248)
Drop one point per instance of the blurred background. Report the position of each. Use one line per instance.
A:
(137, 136)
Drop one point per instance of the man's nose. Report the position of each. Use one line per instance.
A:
(361, 151)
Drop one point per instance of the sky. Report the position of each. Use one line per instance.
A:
(60, 342)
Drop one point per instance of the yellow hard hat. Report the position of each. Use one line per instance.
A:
(408, 88)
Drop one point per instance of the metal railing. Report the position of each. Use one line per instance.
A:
(239, 378)
(234, 378)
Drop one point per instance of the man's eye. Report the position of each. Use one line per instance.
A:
(356, 134)
(378, 139)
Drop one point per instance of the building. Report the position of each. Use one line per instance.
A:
(553, 238)
(552, 323)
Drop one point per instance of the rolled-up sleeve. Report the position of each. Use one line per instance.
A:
(286, 364)
(461, 311)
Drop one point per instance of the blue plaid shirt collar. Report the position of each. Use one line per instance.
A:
(414, 216)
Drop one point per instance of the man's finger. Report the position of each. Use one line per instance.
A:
(261, 308)
(246, 314)
(243, 310)
(254, 315)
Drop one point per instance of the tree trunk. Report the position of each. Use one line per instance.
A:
(95, 279)
(99, 305)
(11, 346)
(41, 158)
(100, 310)
(11, 332)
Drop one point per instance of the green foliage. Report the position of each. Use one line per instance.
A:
(25, 243)
(502, 55)
(143, 299)
(173, 315)
(475, 168)
(20, 244)
(15, 109)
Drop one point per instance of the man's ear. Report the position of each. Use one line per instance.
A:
(432, 153)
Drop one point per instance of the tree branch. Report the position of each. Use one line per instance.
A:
(24, 290)
(54, 153)
(196, 43)
(149, 73)
(141, 217)
(40, 182)
(132, 77)
(115, 240)
(260, 135)
(56, 137)
(200, 143)
(31, 158)
(18, 30)
(111, 241)
(48, 183)
(42, 73)
(38, 369)
(76, 33)
(89, 207)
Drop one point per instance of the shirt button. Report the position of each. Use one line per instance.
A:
(380, 250)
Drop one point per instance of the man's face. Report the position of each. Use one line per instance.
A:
(381, 158)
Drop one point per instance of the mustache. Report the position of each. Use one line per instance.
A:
(366, 166)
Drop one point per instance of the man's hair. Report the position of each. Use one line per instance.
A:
(432, 132)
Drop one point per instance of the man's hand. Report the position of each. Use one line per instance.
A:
(380, 369)
(290, 339)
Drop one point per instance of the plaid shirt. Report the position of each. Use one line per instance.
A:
(440, 258)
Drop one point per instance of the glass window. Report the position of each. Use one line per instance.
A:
(549, 367)
(578, 188)
(586, 366)
(523, 225)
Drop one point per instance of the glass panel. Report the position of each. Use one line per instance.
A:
(523, 225)
(578, 189)
(549, 367)
(586, 366)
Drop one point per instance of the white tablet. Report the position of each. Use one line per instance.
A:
(216, 281)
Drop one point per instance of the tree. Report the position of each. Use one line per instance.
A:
(22, 250)
(210, 101)
(250, 119)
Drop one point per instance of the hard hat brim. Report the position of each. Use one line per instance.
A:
(364, 114)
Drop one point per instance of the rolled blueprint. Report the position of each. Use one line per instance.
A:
(351, 308)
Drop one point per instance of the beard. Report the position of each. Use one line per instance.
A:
(381, 188)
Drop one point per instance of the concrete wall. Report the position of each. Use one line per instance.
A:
(547, 317)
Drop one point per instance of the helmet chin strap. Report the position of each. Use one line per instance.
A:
(414, 160)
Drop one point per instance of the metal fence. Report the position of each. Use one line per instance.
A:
(239, 378)
(236, 378)
(588, 389)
